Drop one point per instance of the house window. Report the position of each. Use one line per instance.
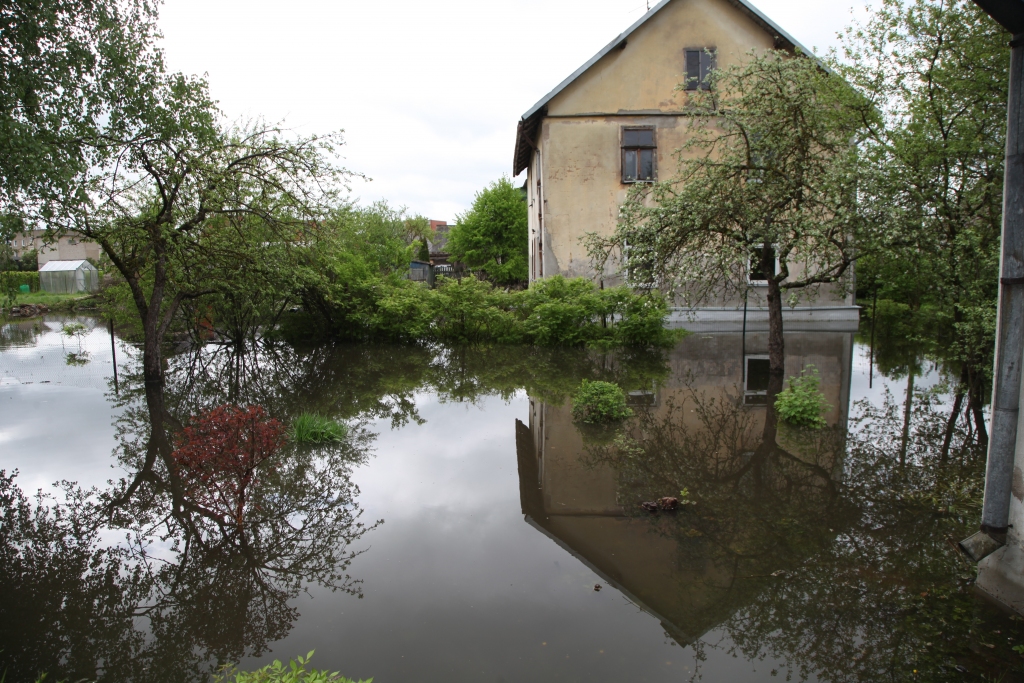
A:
(644, 398)
(699, 63)
(756, 275)
(755, 388)
(638, 155)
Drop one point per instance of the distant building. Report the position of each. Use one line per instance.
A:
(438, 243)
(66, 248)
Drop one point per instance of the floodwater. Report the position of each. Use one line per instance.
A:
(468, 530)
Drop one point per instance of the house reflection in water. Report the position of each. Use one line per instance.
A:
(761, 507)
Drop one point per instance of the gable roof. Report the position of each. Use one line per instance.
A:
(531, 119)
(56, 266)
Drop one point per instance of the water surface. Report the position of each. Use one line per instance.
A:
(499, 541)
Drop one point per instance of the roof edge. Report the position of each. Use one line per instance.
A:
(743, 5)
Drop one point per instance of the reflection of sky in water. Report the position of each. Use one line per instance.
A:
(55, 420)
(860, 379)
(457, 586)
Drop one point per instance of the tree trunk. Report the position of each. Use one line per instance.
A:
(975, 406)
(776, 345)
(907, 409)
(958, 404)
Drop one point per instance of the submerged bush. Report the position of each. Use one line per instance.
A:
(309, 428)
(802, 403)
(555, 311)
(597, 402)
(294, 672)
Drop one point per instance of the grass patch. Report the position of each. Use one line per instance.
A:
(310, 428)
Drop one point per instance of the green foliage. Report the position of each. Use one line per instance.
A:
(310, 428)
(597, 402)
(469, 311)
(553, 312)
(802, 403)
(14, 279)
(938, 73)
(67, 64)
(492, 236)
(295, 671)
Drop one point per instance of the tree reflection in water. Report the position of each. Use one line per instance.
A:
(196, 582)
(823, 550)
(833, 553)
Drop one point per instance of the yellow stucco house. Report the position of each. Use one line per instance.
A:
(617, 120)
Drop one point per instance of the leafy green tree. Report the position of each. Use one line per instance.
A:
(182, 205)
(492, 236)
(417, 231)
(60, 62)
(767, 180)
(937, 70)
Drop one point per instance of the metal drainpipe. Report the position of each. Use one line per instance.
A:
(1010, 318)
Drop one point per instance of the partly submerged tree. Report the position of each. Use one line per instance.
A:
(182, 205)
(492, 236)
(767, 185)
(937, 71)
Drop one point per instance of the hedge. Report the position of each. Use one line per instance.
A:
(13, 279)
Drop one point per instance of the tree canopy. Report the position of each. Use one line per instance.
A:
(492, 236)
(937, 71)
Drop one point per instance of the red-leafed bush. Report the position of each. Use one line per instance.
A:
(219, 454)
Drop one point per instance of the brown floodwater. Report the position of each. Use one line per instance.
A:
(467, 529)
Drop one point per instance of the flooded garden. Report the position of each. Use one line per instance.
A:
(463, 527)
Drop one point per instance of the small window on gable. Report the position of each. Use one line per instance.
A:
(699, 63)
(639, 150)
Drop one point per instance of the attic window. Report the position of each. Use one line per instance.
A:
(638, 154)
(699, 63)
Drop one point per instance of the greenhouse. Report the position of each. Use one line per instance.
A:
(68, 277)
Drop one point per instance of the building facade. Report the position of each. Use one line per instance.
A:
(619, 120)
(65, 248)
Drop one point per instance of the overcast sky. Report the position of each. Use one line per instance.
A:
(428, 92)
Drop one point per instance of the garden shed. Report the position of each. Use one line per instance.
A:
(68, 277)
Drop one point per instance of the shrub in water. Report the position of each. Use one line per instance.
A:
(220, 454)
(294, 672)
(596, 402)
(802, 403)
(309, 428)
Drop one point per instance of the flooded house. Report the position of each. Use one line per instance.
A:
(618, 121)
